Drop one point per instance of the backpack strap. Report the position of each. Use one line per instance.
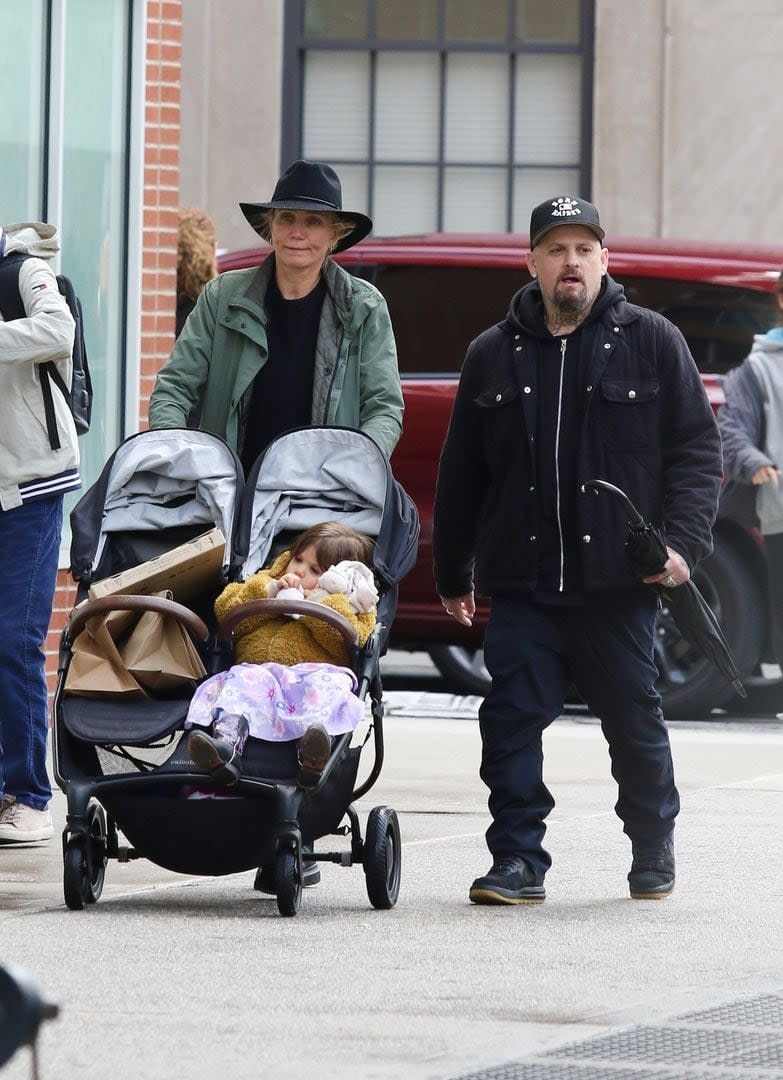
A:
(49, 374)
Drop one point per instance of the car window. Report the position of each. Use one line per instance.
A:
(436, 311)
(717, 321)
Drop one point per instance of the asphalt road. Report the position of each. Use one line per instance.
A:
(170, 977)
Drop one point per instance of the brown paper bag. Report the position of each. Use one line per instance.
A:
(97, 668)
(128, 653)
(159, 653)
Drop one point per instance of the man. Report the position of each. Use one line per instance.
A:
(575, 384)
(36, 326)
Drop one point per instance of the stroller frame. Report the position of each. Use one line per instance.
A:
(291, 814)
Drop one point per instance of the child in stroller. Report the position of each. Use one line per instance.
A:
(259, 695)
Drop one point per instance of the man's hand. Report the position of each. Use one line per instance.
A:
(463, 608)
(675, 572)
(767, 474)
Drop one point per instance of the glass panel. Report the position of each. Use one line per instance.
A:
(335, 18)
(542, 21)
(93, 255)
(467, 20)
(476, 108)
(532, 186)
(406, 106)
(474, 200)
(436, 311)
(406, 20)
(21, 118)
(336, 105)
(548, 103)
(717, 321)
(406, 200)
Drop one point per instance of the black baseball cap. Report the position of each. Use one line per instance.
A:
(563, 210)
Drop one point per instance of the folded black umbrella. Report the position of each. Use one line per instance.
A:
(647, 552)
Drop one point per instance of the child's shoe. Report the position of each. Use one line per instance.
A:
(220, 754)
(315, 747)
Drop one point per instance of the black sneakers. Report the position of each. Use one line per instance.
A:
(510, 881)
(652, 871)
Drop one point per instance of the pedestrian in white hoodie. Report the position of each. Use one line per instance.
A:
(35, 326)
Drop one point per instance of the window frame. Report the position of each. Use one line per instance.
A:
(296, 44)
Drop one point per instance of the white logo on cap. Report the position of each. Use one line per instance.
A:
(565, 207)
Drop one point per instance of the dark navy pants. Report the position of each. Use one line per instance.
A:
(29, 547)
(605, 649)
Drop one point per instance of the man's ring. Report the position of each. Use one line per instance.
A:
(670, 581)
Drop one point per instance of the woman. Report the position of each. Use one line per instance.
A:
(295, 341)
(751, 428)
(196, 261)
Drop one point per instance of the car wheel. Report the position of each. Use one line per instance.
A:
(689, 684)
(464, 668)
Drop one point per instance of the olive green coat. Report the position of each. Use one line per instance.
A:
(223, 346)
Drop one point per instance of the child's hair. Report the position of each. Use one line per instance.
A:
(334, 543)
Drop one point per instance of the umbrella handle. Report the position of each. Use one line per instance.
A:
(595, 487)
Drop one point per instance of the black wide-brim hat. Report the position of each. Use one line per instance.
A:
(309, 185)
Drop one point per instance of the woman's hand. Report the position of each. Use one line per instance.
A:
(767, 474)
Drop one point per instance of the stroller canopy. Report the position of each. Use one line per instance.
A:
(157, 480)
(318, 474)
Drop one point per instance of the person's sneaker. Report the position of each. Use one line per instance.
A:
(21, 824)
(265, 877)
(315, 747)
(510, 881)
(214, 756)
(7, 800)
(652, 871)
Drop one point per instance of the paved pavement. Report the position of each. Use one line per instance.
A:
(169, 977)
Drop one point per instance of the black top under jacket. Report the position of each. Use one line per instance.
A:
(283, 389)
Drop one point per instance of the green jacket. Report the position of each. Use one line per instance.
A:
(223, 346)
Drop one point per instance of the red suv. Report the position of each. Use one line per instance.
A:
(442, 290)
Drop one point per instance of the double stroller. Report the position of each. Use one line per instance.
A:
(123, 764)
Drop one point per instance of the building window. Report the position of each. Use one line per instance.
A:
(64, 142)
(22, 120)
(95, 141)
(442, 115)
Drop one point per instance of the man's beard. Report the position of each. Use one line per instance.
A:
(572, 304)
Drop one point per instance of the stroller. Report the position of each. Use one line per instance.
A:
(123, 763)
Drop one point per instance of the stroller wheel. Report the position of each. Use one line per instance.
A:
(383, 857)
(288, 878)
(84, 861)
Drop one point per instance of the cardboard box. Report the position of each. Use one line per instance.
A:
(187, 570)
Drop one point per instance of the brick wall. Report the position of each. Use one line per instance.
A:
(159, 220)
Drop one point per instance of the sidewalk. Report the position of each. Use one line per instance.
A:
(174, 977)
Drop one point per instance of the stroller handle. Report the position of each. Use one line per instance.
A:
(127, 602)
(227, 626)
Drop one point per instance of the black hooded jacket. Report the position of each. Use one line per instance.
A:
(535, 417)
